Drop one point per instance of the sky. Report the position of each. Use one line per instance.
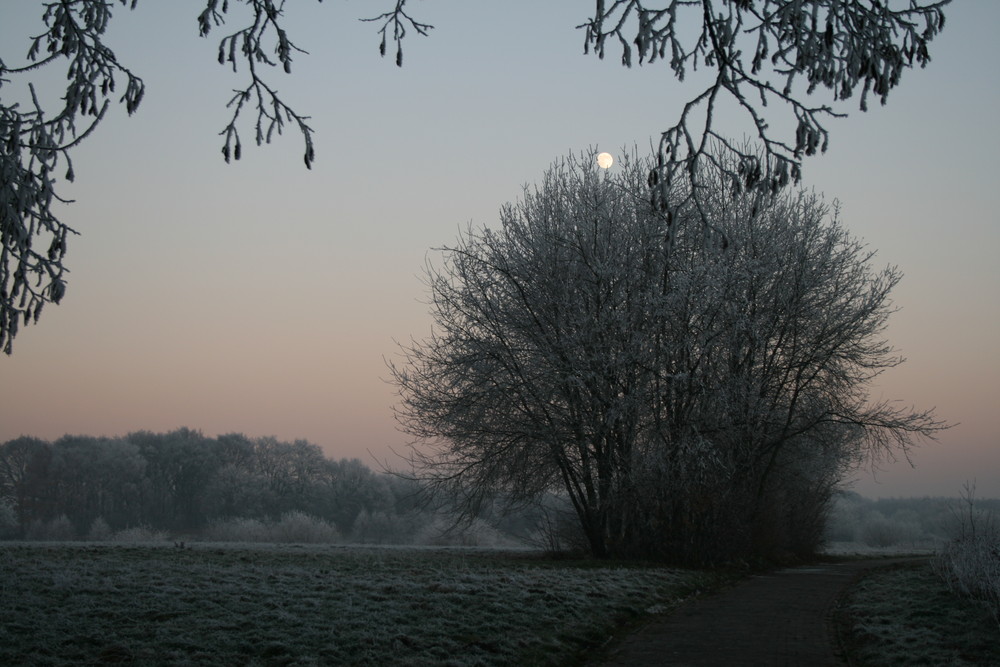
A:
(263, 298)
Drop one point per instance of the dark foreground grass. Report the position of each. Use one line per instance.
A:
(906, 615)
(158, 605)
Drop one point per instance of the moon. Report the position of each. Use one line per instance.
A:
(604, 160)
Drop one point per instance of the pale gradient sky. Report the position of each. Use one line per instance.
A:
(261, 298)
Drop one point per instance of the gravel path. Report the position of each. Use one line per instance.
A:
(779, 618)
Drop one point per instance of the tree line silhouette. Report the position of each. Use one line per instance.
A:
(184, 483)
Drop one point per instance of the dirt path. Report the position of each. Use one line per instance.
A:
(779, 618)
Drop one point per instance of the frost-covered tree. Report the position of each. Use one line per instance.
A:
(696, 402)
(762, 52)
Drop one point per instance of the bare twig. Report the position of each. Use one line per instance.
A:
(839, 45)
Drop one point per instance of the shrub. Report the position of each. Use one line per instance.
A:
(970, 562)
(300, 527)
(100, 531)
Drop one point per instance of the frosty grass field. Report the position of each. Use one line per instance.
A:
(153, 603)
(905, 615)
(72, 603)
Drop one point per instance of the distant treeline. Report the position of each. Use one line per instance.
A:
(183, 483)
(237, 488)
(900, 522)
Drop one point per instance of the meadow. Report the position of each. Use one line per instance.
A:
(86, 603)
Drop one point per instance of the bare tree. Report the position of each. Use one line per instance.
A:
(838, 45)
(674, 396)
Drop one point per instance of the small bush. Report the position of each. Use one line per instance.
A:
(970, 562)
(100, 531)
(301, 528)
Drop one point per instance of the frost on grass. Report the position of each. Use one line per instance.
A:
(325, 605)
(905, 615)
(923, 548)
(971, 567)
